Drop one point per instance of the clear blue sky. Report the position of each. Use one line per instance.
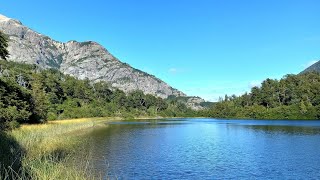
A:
(203, 47)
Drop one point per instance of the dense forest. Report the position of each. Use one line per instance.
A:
(292, 97)
(29, 94)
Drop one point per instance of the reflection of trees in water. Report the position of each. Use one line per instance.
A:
(10, 157)
(294, 130)
(149, 124)
(104, 142)
(99, 135)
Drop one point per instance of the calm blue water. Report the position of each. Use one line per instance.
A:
(207, 149)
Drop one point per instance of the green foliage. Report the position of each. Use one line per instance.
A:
(13, 125)
(15, 103)
(30, 96)
(4, 53)
(293, 97)
(40, 100)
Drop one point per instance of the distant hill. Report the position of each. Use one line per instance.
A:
(313, 68)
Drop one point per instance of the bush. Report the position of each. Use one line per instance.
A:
(52, 116)
(12, 125)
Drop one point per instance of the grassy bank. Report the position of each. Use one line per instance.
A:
(46, 151)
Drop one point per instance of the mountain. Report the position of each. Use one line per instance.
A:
(314, 67)
(79, 59)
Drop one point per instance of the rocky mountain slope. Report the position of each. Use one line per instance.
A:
(314, 67)
(80, 59)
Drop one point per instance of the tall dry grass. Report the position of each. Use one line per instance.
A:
(49, 151)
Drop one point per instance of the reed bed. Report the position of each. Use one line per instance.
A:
(47, 151)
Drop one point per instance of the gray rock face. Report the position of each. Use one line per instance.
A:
(313, 68)
(195, 103)
(79, 59)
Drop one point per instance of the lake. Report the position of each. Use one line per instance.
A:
(207, 149)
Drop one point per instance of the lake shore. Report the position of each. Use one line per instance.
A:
(44, 151)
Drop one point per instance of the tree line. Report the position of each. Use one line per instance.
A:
(29, 94)
(292, 97)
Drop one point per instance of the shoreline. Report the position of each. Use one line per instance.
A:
(46, 150)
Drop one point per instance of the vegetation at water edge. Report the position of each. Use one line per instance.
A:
(29, 94)
(46, 151)
(292, 97)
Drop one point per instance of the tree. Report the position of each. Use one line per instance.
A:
(303, 107)
(292, 97)
(14, 103)
(4, 53)
(137, 99)
(39, 101)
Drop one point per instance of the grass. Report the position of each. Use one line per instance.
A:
(49, 151)
(46, 151)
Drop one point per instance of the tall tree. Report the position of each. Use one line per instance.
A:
(40, 100)
(4, 53)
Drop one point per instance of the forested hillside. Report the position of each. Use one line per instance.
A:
(29, 94)
(292, 97)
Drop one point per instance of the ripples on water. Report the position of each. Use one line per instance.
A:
(207, 149)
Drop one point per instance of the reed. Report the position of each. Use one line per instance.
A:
(47, 151)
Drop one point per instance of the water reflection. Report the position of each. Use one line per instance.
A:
(291, 130)
(152, 122)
